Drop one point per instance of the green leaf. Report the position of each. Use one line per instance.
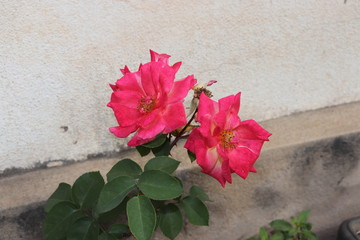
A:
(163, 150)
(293, 232)
(309, 235)
(303, 216)
(195, 210)
(294, 221)
(163, 163)
(307, 226)
(83, 229)
(59, 220)
(171, 220)
(141, 217)
(62, 193)
(281, 225)
(159, 185)
(118, 230)
(114, 193)
(125, 167)
(179, 180)
(86, 189)
(106, 236)
(143, 150)
(263, 234)
(111, 215)
(196, 191)
(191, 155)
(157, 142)
(157, 204)
(277, 236)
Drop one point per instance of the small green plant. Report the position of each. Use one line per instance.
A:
(298, 229)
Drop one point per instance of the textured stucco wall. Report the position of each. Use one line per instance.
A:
(57, 57)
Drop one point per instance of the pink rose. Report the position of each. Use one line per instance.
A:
(149, 101)
(224, 144)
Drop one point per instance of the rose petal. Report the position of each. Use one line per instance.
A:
(211, 82)
(156, 57)
(176, 66)
(211, 164)
(191, 141)
(122, 132)
(181, 88)
(241, 161)
(126, 116)
(207, 107)
(251, 130)
(129, 99)
(151, 130)
(130, 82)
(136, 141)
(125, 70)
(230, 103)
(174, 117)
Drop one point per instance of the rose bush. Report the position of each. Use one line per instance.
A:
(149, 104)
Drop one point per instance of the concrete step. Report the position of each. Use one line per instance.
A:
(311, 162)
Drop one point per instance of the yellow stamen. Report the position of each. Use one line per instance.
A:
(226, 137)
(146, 104)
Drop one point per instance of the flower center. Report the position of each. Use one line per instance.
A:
(146, 104)
(226, 137)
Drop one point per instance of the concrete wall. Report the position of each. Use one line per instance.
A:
(57, 57)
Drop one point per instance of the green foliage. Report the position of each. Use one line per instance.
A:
(162, 163)
(112, 215)
(157, 142)
(114, 193)
(118, 230)
(263, 234)
(281, 225)
(86, 189)
(298, 229)
(159, 185)
(142, 217)
(191, 155)
(143, 150)
(196, 210)
(61, 194)
(91, 209)
(160, 146)
(196, 191)
(163, 150)
(171, 220)
(60, 219)
(84, 229)
(125, 167)
(106, 236)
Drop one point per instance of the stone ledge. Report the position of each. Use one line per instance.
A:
(312, 162)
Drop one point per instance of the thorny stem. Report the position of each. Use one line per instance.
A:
(179, 136)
